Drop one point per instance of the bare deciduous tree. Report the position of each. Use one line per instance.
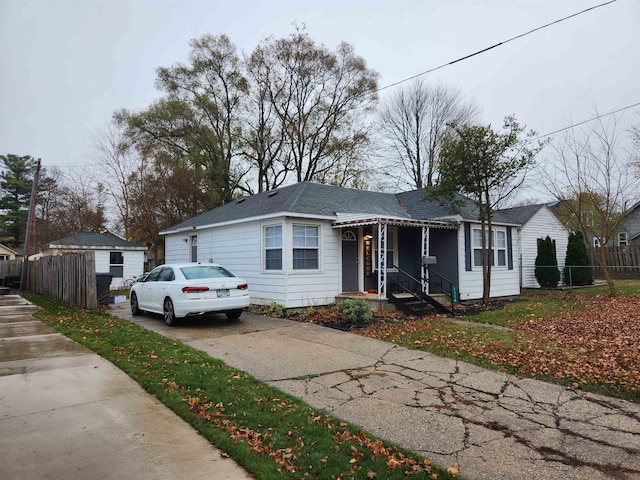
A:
(589, 175)
(320, 98)
(414, 122)
(119, 161)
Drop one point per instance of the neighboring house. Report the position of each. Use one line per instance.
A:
(7, 253)
(305, 244)
(630, 231)
(537, 222)
(114, 255)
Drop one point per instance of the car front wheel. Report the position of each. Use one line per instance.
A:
(135, 308)
(169, 313)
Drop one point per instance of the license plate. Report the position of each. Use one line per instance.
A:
(222, 293)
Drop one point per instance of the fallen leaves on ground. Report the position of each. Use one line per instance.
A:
(595, 345)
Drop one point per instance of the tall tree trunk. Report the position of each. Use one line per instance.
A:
(605, 269)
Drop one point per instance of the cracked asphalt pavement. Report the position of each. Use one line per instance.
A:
(487, 424)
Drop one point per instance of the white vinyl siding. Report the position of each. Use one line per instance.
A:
(504, 282)
(240, 248)
(132, 265)
(543, 223)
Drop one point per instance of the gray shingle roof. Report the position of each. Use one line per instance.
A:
(413, 201)
(522, 214)
(95, 240)
(304, 198)
(327, 200)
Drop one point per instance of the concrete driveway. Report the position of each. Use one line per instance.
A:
(66, 413)
(487, 424)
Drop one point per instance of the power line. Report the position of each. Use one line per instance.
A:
(587, 121)
(496, 45)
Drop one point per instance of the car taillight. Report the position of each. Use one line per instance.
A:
(194, 289)
(242, 286)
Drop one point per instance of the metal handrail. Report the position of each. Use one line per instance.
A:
(427, 280)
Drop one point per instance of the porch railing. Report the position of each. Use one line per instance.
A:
(407, 283)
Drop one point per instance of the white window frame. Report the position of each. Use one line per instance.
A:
(113, 266)
(596, 242)
(623, 239)
(392, 246)
(266, 248)
(495, 253)
(308, 246)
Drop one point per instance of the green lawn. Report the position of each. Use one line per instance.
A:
(273, 435)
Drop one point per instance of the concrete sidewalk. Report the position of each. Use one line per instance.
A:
(66, 413)
(487, 424)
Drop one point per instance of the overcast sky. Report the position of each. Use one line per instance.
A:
(66, 66)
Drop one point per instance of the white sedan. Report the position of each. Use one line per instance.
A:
(190, 289)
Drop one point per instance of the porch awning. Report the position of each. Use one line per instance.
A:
(357, 220)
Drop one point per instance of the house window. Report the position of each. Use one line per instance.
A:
(273, 247)
(4, 257)
(596, 242)
(622, 239)
(498, 252)
(116, 264)
(305, 247)
(391, 248)
(193, 250)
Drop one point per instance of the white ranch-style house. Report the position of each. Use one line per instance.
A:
(306, 244)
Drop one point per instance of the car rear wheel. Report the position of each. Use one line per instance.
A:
(169, 313)
(135, 308)
(234, 314)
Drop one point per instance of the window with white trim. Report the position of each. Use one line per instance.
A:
(273, 247)
(306, 247)
(116, 264)
(622, 239)
(498, 252)
(596, 242)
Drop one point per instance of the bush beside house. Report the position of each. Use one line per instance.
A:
(546, 271)
(578, 269)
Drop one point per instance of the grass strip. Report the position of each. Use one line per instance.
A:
(271, 434)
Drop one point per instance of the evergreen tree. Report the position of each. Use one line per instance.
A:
(547, 273)
(578, 269)
(15, 193)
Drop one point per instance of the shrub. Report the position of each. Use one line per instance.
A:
(272, 310)
(547, 273)
(355, 311)
(578, 269)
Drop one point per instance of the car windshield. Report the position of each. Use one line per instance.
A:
(205, 271)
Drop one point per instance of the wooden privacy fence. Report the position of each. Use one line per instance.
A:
(10, 272)
(623, 262)
(68, 278)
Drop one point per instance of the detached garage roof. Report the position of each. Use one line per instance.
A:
(95, 241)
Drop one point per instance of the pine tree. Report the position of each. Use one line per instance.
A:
(578, 269)
(547, 273)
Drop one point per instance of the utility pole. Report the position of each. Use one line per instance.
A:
(30, 219)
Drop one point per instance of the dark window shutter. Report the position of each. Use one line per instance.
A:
(509, 248)
(467, 247)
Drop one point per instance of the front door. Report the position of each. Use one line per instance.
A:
(350, 261)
